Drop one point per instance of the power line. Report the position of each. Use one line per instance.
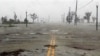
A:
(85, 5)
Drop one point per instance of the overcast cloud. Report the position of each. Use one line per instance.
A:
(45, 8)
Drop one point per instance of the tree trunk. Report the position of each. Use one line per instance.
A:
(88, 20)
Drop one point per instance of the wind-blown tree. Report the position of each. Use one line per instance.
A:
(4, 20)
(87, 16)
(70, 17)
(11, 21)
(34, 16)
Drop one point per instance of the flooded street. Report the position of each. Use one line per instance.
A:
(69, 42)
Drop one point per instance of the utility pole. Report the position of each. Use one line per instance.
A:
(69, 15)
(97, 17)
(26, 20)
(76, 13)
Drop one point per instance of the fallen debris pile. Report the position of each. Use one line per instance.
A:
(18, 52)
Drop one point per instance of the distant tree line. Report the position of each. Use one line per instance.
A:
(6, 20)
(71, 16)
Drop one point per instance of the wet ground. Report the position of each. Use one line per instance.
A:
(81, 40)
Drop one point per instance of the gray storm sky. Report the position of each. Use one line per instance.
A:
(45, 8)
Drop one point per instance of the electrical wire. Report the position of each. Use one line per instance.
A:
(85, 5)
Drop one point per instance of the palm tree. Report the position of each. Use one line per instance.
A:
(87, 16)
(34, 16)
